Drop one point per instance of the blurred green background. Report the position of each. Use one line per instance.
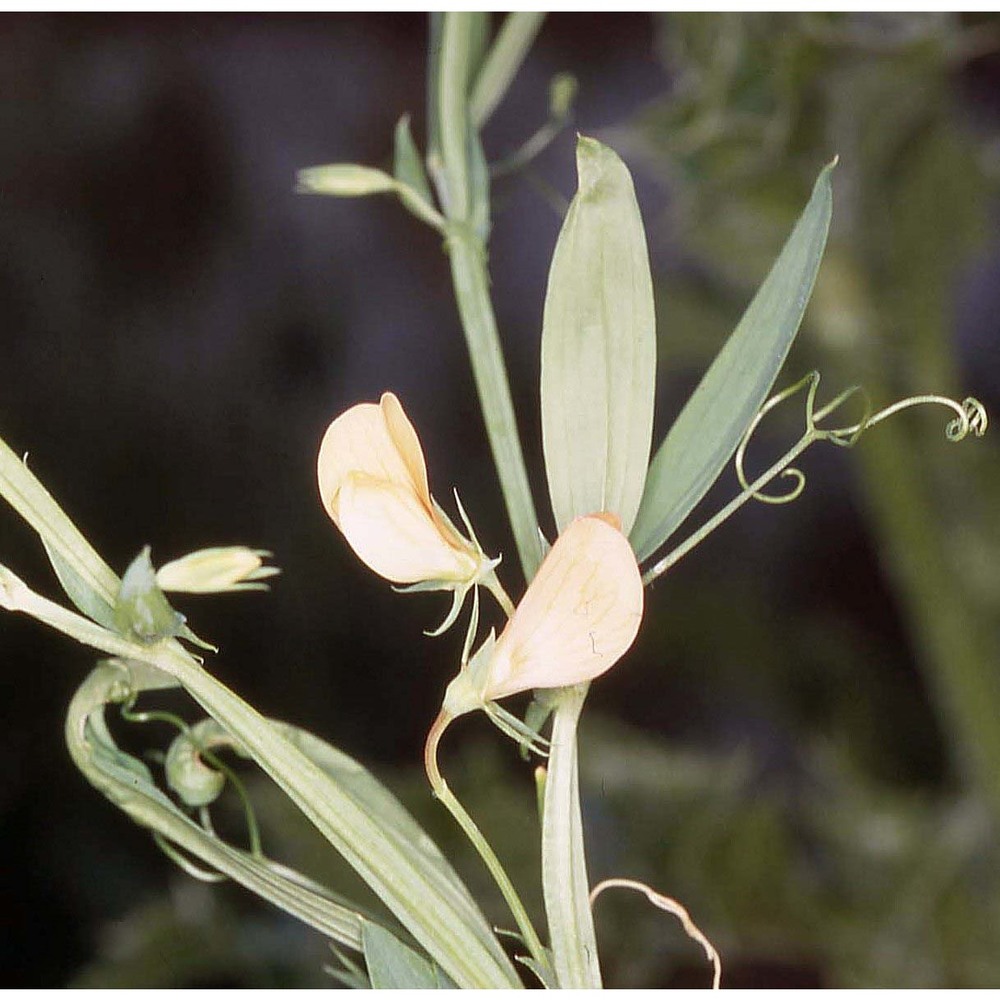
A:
(804, 746)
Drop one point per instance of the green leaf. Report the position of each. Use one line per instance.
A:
(90, 583)
(715, 418)
(84, 597)
(513, 41)
(598, 347)
(407, 165)
(366, 825)
(393, 965)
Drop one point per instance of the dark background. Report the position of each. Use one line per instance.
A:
(179, 328)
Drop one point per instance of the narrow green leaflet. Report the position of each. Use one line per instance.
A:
(402, 870)
(90, 583)
(598, 347)
(406, 163)
(84, 596)
(383, 807)
(393, 965)
(714, 419)
(513, 41)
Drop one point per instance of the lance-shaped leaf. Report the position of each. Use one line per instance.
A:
(598, 347)
(88, 580)
(394, 966)
(715, 418)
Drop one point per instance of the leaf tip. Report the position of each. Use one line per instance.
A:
(594, 162)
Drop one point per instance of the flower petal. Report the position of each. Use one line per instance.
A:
(392, 532)
(579, 615)
(407, 443)
(361, 440)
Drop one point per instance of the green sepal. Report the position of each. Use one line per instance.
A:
(142, 610)
(465, 693)
(407, 166)
(510, 725)
(349, 974)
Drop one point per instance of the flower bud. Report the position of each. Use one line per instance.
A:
(216, 571)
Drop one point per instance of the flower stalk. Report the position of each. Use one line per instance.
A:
(447, 798)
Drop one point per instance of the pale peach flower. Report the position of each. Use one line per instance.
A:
(373, 483)
(579, 615)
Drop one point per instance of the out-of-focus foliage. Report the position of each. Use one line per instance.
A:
(874, 884)
(831, 880)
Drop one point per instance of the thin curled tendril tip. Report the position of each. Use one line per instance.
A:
(970, 417)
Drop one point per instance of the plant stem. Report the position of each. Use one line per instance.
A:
(564, 863)
(468, 269)
(465, 197)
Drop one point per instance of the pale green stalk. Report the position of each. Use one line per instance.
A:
(504, 60)
(564, 863)
(469, 273)
(447, 798)
(471, 280)
(675, 555)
